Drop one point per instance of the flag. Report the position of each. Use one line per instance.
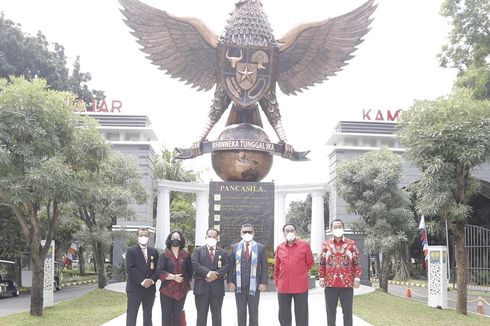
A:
(72, 253)
(424, 240)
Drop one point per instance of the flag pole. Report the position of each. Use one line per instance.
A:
(448, 266)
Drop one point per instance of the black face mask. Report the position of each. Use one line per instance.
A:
(175, 242)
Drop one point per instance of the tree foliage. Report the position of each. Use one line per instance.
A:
(108, 183)
(299, 214)
(182, 207)
(35, 57)
(469, 44)
(446, 138)
(13, 244)
(37, 126)
(370, 185)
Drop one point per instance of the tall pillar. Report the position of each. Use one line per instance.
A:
(279, 217)
(202, 217)
(317, 222)
(163, 218)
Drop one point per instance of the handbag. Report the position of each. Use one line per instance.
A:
(182, 320)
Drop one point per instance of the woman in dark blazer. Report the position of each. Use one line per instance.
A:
(175, 272)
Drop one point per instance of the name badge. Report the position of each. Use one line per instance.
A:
(152, 264)
(220, 264)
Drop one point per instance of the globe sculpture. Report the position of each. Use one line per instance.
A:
(242, 165)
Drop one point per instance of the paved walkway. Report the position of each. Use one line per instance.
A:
(267, 309)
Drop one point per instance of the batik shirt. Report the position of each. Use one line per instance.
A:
(339, 263)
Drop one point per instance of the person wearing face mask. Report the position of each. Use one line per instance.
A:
(210, 265)
(141, 263)
(293, 260)
(248, 275)
(175, 271)
(339, 273)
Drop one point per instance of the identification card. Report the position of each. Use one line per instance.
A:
(152, 264)
(220, 264)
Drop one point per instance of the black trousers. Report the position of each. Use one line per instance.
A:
(135, 299)
(171, 310)
(300, 308)
(203, 303)
(244, 300)
(332, 295)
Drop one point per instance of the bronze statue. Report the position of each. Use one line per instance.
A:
(247, 61)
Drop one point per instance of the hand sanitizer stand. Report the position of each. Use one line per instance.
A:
(437, 277)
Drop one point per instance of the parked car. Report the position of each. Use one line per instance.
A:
(8, 284)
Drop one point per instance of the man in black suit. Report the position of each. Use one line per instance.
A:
(210, 265)
(248, 275)
(141, 263)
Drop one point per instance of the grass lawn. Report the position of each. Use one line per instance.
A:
(379, 308)
(94, 308)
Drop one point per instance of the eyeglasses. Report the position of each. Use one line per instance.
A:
(250, 232)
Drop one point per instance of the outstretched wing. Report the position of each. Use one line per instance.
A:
(311, 53)
(184, 47)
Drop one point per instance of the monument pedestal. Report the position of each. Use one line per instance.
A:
(232, 204)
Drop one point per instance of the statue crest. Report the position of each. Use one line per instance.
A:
(244, 65)
(246, 73)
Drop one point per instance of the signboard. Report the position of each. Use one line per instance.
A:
(379, 115)
(232, 204)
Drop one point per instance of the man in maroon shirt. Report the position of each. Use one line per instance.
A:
(339, 273)
(293, 260)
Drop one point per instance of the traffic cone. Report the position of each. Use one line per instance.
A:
(408, 292)
(479, 306)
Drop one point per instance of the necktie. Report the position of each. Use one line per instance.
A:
(211, 253)
(247, 253)
(145, 254)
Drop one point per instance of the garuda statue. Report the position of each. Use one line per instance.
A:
(246, 62)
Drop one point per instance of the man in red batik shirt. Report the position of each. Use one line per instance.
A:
(339, 272)
(293, 260)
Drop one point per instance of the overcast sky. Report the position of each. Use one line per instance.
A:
(396, 64)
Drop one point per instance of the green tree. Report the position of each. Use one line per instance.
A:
(107, 184)
(37, 126)
(10, 229)
(34, 57)
(370, 185)
(446, 138)
(468, 49)
(182, 208)
(299, 214)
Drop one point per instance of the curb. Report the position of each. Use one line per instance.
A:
(420, 285)
(78, 283)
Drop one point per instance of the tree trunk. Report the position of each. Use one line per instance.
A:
(81, 260)
(461, 267)
(402, 271)
(37, 291)
(99, 257)
(385, 264)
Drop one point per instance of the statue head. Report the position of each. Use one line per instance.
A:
(248, 26)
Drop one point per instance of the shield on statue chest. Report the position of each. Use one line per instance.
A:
(246, 73)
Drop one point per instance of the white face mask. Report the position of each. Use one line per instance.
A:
(211, 242)
(143, 240)
(338, 233)
(247, 237)
(290, 236)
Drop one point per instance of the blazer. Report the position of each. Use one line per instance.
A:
(262, 265)
(137, 270)
(202, 265)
